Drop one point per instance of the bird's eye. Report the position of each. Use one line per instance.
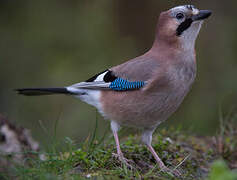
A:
(180, 16)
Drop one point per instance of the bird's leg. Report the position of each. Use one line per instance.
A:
(161, 164)
(147, 138)
(119, 152)
(158, 160)
(115, 128)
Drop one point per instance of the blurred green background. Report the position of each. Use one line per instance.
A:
(61, 42)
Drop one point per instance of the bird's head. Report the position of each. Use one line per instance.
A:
(181, 25)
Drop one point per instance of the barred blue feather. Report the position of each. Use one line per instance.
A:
(120, 84)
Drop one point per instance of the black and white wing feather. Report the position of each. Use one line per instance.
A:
(103, 81)
(108, 81)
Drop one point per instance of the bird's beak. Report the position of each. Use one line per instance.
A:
(203, 14)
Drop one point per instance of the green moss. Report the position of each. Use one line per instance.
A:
(191, 155)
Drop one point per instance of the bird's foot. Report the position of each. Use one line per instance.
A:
(123, 160)
(174, 172)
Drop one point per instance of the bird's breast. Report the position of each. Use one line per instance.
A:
(183, 75)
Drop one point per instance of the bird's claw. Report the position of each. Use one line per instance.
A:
(123, 160)
(174, 172)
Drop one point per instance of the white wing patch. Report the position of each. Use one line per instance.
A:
(101, 77)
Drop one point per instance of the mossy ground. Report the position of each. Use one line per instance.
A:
(191, 155)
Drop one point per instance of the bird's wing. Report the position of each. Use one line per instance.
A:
(131, 75)
(107, 81)
(141, 68)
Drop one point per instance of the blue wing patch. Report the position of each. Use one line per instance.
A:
(120, 84)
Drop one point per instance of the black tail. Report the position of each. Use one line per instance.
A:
(42, 91)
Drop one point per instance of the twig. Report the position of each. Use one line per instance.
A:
(182, 161)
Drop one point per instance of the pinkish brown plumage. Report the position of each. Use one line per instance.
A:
(145, 91)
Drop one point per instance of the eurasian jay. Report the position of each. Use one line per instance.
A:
(144, 91)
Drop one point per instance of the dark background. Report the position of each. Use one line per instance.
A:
(61, 42)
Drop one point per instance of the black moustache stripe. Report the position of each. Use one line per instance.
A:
(184, 26)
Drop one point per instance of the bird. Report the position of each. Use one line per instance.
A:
(145, 91)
